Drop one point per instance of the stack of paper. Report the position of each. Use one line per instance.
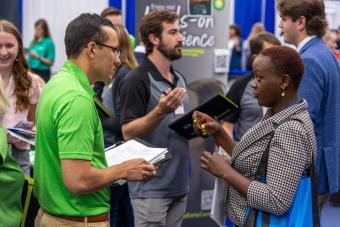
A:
(23, 134)
(132, 149)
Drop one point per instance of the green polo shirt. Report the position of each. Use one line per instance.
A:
(44, 48)
(11, 184)
(68, 127)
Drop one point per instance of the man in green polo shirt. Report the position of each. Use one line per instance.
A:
(70, 169)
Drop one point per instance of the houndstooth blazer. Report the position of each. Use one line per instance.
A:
(290, 154)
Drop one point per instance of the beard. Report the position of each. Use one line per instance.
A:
(170, 53)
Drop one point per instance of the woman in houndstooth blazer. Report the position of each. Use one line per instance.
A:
(277, 74)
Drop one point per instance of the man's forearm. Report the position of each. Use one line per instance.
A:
(81, 178)
(90, 179)
(144, 125)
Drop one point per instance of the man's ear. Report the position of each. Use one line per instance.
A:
(154, 39)
(91, 50)
(302, 23)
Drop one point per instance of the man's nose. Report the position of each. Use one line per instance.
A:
(180, 37)
(117, 61)
(280, 24)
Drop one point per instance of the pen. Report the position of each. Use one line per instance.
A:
(118, 143)
(114, 145)
(165, 93)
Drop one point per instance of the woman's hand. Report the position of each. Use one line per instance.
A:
(11, 139)
(204, 125)
(33, 54)
(25, 124)
(215, 164)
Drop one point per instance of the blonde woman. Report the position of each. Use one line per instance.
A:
(246, 59)
(21, 87)
(11, 177)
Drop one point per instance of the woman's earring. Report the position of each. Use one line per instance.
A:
(283, 93)
(16, 59)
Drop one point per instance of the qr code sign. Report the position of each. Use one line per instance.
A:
(206, 199)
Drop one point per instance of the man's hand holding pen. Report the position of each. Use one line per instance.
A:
(171, 99)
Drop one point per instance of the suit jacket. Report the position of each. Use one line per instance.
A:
(290, 154)
(320, 86)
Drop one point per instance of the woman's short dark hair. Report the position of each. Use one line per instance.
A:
(312, 10)
(286, 61)
(82, 30)
(152, 23)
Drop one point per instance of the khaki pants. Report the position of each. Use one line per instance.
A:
(44, 219)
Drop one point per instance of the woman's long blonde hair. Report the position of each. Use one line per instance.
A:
(256, 29)
(3, 99)
(128, 56)
(22, 81)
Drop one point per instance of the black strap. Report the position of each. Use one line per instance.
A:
(262, 172)
(262, 167)
(315, 202)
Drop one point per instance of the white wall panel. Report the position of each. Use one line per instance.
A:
(58, 14)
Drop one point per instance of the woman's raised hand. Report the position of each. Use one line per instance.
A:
(204, 125)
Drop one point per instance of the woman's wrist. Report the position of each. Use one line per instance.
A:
(218, 135)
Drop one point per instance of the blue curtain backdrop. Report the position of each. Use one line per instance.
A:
(248, 12)
(10, 10)
(130, 13)
(270, 16)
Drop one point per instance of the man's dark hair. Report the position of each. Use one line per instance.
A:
(152, 24)
(111, 11)
(82, 30)
(256, 44)
(312, 10)
(286, 61)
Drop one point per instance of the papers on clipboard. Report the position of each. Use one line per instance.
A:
(25, 135)
(132, 149)
(135, 148)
